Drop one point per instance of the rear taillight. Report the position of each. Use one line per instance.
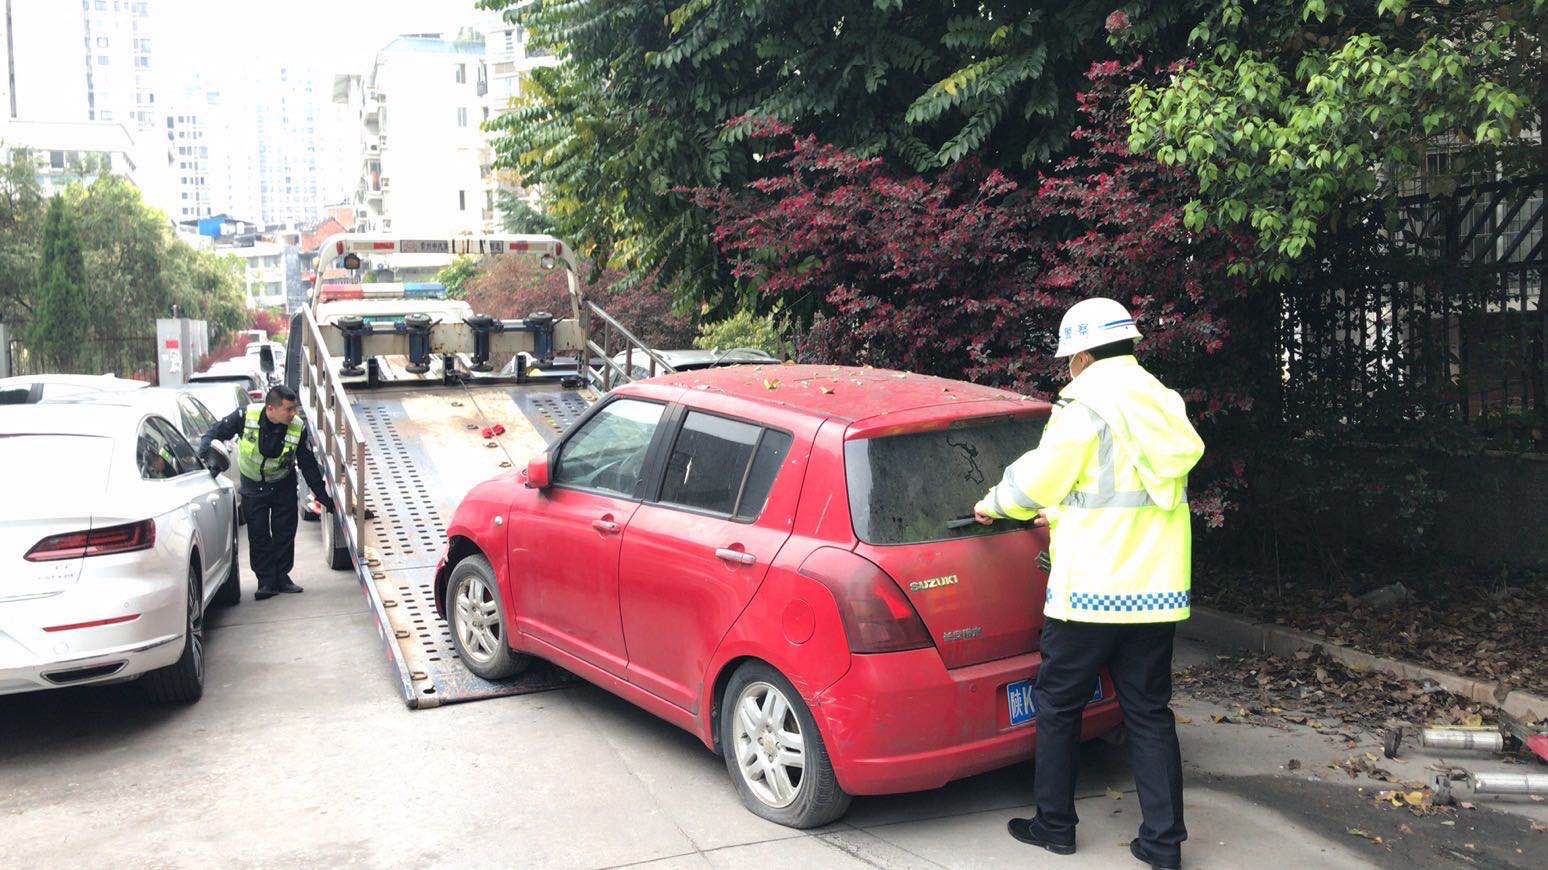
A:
(126, 538)
(255, 395)
(877, 615)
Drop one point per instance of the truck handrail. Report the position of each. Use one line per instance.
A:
(341, 444)
(603, 380)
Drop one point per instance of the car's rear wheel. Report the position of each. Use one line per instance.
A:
(183, 680)
(479, 628)
(774, 752)
(230, 592)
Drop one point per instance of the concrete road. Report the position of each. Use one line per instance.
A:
(301, 754)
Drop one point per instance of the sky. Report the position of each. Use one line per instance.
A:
(331, 35)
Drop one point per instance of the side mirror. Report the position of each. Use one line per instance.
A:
(218, 460)
(266, 359)
(537, 472)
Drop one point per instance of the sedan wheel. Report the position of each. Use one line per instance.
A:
(478, 620)
(478, 623)
(183, 680)
(770, 749)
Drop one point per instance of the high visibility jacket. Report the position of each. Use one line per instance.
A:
(1111, 475)
(251, 461)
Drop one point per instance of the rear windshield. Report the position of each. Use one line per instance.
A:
(55, 463)
(904, 489)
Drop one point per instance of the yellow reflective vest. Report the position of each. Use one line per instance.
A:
(1110, 473)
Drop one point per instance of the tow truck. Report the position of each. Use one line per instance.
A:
(412, 399)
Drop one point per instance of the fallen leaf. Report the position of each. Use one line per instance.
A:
(1293, 764)
(1540, 827)
(1184, 720)
(1404, 829)
(826, 391)
(1220, 719)
(1466, 805)
(1415, 798)
(1114, 793)
(771, 384)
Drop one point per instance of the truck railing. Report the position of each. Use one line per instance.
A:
(340, 441)
(616, 339)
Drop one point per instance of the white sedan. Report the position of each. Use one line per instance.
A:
(114, 541)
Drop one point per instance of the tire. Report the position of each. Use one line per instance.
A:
(750, 744)
(230, 592)
(479, 627)
(335, 548)
(182, 682)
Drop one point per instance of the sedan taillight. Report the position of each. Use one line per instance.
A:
(877, 615)
(126, 538)
(255, 395)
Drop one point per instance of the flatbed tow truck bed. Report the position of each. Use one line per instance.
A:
(424, 453)
(398, 383)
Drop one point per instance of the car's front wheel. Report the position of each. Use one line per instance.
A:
(478, 624)
(183, 680)
(774, 752)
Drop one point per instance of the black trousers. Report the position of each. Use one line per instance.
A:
(1140, 660)
(272, 512)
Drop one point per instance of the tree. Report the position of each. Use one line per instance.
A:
(743, 329)
(1294, 115)
(210, 287)
(518, 217)
(642, 108)
(64, 306)
(21, 225)
(509, 287)
(966, 274)
(126, 258)
(455, 276)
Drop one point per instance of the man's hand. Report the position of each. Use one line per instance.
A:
(1040, 521)
(982, 518)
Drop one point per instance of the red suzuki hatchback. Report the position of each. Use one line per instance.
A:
(774, 558)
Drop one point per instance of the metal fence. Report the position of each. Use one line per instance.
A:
(1431, 312)
(127, 357)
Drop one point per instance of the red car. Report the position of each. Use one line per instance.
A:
(774, 558)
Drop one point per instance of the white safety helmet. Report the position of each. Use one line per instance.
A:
(1092, 323)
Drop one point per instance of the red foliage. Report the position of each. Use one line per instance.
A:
(510, 287)
(272, 322)
(966, 274)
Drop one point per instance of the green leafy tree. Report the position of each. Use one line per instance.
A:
(516, 216)
(743, 329)
(649, 96)
(210, 287)
(63, 313)
(21, 226)
(126, 257)
(455, 277)
(1294, 113)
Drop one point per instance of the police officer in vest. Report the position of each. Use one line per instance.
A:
(273, 442)
(1109, 478)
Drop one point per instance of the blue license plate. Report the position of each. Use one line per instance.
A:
(1023, 709)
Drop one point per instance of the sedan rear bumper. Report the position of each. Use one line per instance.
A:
(902, 722)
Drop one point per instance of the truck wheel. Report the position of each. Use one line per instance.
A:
(230, 592)
(335, 548)
(182, 682)
(479, 628)
(774, 752)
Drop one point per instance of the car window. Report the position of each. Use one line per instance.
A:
(183, 454)
(710, 464)
(154, 454)
(608, 452)
(904, 489)
(193, 422)
(206, 418)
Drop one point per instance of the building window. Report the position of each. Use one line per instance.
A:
(102, 60)
(462, 73)
(462, 116)
(142, 62)
(101, 5)
(56, 159)
(102, 42)
(107, 114)
(462, 200)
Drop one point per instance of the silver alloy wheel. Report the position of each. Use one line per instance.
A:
(770, 747)
(478, 619)
(195, 621)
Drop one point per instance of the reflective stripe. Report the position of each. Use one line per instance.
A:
(1018, 493)
(999, 509)
(1130, 603)
(1093, 500)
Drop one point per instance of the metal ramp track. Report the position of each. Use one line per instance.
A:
(424, 452)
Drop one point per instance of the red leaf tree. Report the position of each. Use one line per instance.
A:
(966, 274)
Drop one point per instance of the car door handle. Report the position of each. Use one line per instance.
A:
(606, 527)
(740, 557)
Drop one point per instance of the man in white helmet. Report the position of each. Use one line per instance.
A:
(1109, 478)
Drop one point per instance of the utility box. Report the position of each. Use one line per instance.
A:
(180, 344)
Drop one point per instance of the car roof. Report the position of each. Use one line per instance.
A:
(696, 356)
(72, 417)
(844, 393)
(155, 399)
(105, 382)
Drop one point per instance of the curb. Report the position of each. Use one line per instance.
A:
(1212, 626)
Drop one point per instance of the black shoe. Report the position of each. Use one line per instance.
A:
(263, 593)
(288, 586)
(1030, 832)
(1137, 849)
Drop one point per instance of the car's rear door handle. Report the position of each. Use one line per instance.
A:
(606, 526)
(740, 557)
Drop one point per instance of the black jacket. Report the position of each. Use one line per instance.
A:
(271, 440)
